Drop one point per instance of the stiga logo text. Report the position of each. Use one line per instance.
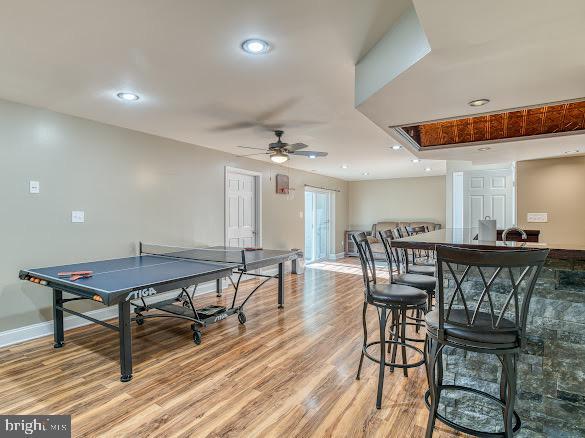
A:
(142, 293)
(49, 426)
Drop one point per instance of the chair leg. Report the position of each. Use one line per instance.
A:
(418, 316)
(434, 350)
(365, 340)
(403, 339)
(393, 322)
(382, 313)
(395, 336)
(509, 368)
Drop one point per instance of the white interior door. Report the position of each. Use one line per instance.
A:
(241, 209)
(488, 193)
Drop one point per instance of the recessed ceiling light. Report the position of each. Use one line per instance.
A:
(415, 160)
(484, 149)
(427, 169)
(255, 46)
(478, 102)
(125, 95)
(344, 166)
(396, 147)
(365, 174)
(312, 156)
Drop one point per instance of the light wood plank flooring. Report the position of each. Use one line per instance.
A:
(286, 372)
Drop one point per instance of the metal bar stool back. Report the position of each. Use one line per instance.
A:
(483, 309)
(395, 298)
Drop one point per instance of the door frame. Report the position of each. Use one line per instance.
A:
(258, 200)
(331, 237)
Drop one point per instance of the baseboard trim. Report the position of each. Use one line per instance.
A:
(337, 256)
(38, 330)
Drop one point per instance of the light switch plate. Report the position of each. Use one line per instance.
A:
(34, 187)
(77, 216)
(537, 217)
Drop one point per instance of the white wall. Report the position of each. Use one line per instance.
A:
(396, 199)
(132, 187)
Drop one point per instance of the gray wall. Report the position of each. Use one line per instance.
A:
(132, 187)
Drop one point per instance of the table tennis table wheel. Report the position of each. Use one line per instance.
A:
(197, 337)
(242, 318)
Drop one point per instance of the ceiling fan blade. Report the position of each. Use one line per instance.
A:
(251, 155)
(250, 147)
(234, 126)
(296, 146)
(310, 153)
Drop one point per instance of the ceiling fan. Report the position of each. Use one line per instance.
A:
(279, 151)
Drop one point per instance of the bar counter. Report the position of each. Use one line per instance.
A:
(551, 368)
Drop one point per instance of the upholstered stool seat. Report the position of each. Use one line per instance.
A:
(397, 294)
(423, 282)
(422, 269)
(481, 333)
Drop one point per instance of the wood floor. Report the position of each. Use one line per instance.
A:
(287, 372)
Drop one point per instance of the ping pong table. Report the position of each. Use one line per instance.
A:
(157, 269)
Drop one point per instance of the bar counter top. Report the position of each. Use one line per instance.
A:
(465, 238)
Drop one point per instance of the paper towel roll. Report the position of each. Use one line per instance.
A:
(487, 230)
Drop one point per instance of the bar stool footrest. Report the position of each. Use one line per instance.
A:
(465, 429)
(394, 364)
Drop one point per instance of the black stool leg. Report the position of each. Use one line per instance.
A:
(395, 318)
(403, 339)
(382, 356)
(391, 333)
(433, 354)
(509, 368)
(365, 340)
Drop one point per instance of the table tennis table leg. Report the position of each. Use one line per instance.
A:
(218, 287)
(58, 332)
(125, 341)
(280, 285)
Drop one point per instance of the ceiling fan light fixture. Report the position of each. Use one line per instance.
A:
(279, 157)
(312, 156)
(256, 46)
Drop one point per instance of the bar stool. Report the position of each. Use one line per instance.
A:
(402, 259)
(424, 282)
(397, 299)
(481, 321)
(428, 259)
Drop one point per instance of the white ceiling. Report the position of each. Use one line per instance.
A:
(183, 58)
(516, 54)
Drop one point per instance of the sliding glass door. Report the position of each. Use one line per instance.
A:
(317, 224)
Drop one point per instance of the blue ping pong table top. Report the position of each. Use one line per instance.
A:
(113, 279)
(117, 275)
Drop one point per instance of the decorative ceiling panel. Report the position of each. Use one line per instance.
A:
(546, 120)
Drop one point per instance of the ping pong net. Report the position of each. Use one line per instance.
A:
(205, 254)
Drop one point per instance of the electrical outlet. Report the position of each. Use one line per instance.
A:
(537, 217)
